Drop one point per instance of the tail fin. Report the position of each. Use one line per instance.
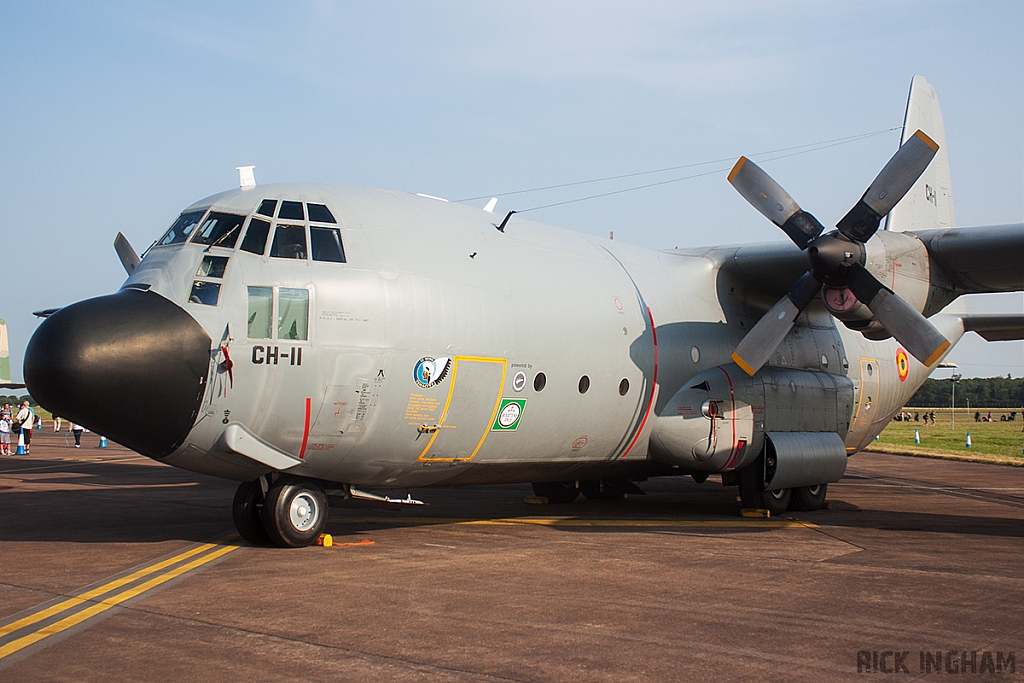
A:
(5, 358)
(929, 204)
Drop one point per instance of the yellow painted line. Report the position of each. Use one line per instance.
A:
(631, 523)
(103, 605)
(105, 588)
(494, 413)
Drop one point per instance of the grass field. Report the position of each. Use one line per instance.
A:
(993, 438)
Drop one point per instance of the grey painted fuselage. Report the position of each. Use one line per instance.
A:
(553, 353)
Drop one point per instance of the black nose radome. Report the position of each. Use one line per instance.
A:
(131, 366)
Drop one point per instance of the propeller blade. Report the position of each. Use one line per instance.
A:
(760, 343)
(902, 320)
(889, 187)
(774, 203)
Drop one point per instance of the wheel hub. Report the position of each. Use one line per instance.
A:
(303, 512)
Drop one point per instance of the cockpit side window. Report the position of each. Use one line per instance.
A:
(255, 241)
(261, 308)
(326, 244)
(289, 242)
(182, 228)
(292, 314)
(219, 230)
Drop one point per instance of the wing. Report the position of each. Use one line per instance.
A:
(995, 326)
(983, 259)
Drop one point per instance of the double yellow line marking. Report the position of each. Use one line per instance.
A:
(13, 637)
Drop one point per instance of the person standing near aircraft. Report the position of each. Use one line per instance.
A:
(26, 417)
(76, 430)
(56, 424)
(5, 433)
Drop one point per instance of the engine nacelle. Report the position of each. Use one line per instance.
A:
(718, 420)
(900, 262)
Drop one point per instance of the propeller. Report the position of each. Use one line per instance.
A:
(837, 258)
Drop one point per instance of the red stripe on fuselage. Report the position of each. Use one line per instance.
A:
(732, 396)
(654, 384)
(305, 433)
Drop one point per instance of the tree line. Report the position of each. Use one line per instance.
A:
(977, 392)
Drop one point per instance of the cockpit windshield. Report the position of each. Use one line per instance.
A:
(182, 228)
(219, 230)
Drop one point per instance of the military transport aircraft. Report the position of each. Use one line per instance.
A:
(304, 339)
(5, 362)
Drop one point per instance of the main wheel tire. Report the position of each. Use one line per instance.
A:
(557, 491)
(753, 495)
(601, 489)
(295, 513)
(809, 498)
(246, 511)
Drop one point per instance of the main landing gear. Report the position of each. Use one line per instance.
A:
(753, 495)
(289, 512)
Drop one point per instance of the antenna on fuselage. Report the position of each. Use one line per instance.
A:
(501, 228)
(246, 178)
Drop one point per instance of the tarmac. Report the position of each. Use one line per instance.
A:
(115, 567)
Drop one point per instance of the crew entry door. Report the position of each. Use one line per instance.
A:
(469, 411)
(869, 386)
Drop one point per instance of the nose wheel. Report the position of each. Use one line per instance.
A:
(292, 513)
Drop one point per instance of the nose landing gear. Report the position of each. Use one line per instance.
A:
(292, 513)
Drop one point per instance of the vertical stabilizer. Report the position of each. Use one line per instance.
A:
(929, 204)
(5, 358)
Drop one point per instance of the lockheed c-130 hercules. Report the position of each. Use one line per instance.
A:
(304, 339)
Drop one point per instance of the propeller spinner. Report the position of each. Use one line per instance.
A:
(837, 258)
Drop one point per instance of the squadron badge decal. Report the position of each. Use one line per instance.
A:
(430, 372)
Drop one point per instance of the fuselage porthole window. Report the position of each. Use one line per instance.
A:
(289, 242)
(325, 243)
(255, 241)
(181, 228)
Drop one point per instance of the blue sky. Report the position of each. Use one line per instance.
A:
(114, 116)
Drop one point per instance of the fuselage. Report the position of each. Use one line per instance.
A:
(396, 340)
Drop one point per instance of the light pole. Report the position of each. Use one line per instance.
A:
(952, 402)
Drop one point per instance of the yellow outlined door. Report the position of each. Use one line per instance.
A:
(473, 399)
(868, 399)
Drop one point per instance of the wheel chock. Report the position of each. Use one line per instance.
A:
(755, 512)
(536, 500)
(326, 540)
